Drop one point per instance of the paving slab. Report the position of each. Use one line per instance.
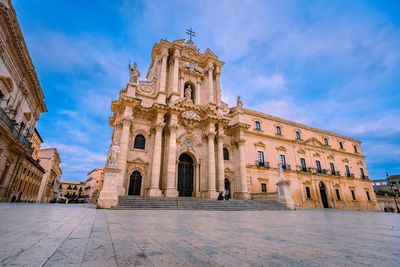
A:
(81, 235)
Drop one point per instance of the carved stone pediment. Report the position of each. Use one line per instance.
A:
(345, 160)
(188, 140)
(314, 141)
(281, 148)
(330, 157)
(259, 144)
(190, 114)
(301, 151)
(360, 162)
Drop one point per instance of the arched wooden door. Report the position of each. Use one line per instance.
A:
(185, 176)
(135, 183)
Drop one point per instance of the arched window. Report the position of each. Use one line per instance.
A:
(326, 142)
(298, 136)
(140, 142)
(341, 145)
(226, 154)
(258, 125)
(355, 149)
(278, 130)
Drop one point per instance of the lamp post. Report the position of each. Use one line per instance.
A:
(394, 194)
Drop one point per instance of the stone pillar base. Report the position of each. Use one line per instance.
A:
(108, 197)
(242, 195)
(154, 192)
(171, 192)
(121, 191)
(212, 194)
(284, 194)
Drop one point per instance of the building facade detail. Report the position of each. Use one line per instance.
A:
(190, 130)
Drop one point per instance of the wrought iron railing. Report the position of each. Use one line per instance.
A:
(12, 125)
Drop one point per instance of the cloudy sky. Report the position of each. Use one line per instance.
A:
(334, 65)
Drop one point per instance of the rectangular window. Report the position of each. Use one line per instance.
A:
(353, 195)
(369, 198)
(362, 173)
(337, 194)
(347, 170)
(260, 158)
(264, 188)
(283, 161)
(308, 192)
(319, 170)
(3, 176)
(258, 125)
(332, 168)
(303, 164)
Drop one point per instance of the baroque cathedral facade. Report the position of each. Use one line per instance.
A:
(174, 137)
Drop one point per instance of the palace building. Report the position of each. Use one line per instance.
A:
(174, 137)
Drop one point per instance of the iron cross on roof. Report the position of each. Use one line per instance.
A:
(191, 33)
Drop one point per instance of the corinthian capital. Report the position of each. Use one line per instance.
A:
(176, 54)
(173, 128)
(158, 127)
(126, 122)
(210, 66)
(164, 53)
(209, 135)
(217, 70)
(220, 137)
(239, 141)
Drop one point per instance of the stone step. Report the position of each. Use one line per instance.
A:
(186, 203)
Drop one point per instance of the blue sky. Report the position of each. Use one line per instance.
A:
(328, 64)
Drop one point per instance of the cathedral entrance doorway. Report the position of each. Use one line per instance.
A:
(227, 188)
(185, 175)
(135, 183)
(324, 199)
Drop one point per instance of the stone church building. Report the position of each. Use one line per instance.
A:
(174, 137)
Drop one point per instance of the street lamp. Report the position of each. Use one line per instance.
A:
(394, 194)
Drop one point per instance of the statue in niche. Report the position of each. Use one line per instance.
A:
(188, 94)
(112, 155)
(135, 74)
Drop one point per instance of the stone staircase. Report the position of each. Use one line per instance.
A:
(191, 203)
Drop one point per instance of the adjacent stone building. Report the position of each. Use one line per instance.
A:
(21, 103)
(94, 183)
(174, 137)
(50, 160)
(73, 191)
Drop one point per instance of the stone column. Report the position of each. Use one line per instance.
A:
(244, 193)
(221, 176)
(154, 190)
(210, 83)
(211, 192)
(123, 147)
(170, 190)
(218, 91)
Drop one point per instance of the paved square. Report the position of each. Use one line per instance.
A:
(80, 235)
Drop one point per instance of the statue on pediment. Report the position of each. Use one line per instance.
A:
(135, 74)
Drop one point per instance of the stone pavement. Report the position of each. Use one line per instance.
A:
(80, 235)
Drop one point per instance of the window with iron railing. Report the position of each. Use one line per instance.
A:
(347, 171)
(332, 168)
(319, 170)
(362, 173)
(303, 164)
(260, 158)
(283, 161)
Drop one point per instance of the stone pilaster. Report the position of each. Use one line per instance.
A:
(154, 190)
(163, 77)
(244, 193)
(210, 83)
(123, 146)
(175, 77)
(170, 190)
(221, 176)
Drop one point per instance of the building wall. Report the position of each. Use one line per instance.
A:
(50, 160)
(21, 104)
(73, 191)
(94, 183)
